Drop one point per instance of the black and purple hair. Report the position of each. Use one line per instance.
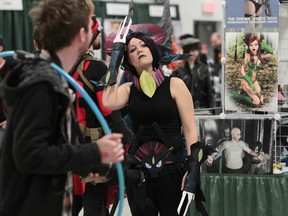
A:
(150, 44)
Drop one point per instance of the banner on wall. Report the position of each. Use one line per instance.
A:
(252, 14)
(251, 71)
(234, 138)
(11, 5)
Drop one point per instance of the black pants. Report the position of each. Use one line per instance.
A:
(77, 205)
(2, 131)
(93, 201)
(163, 195)
(228, 170)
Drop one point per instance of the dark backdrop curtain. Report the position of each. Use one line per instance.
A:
(244, 195)
(16, 28)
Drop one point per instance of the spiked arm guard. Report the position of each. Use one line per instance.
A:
(119, 44)
(193, 167)
(199, 154)
(116, 57)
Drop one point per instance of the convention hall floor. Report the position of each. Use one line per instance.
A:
(126, 210)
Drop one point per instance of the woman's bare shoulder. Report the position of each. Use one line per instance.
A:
(178, 87)
(176, 81)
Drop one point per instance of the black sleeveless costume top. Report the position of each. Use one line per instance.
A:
(161, 110)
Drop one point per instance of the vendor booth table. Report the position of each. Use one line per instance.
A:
(244, 195)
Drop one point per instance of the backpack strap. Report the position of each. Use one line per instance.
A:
(80, 69)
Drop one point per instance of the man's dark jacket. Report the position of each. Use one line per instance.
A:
(35, 157)
(198, 82)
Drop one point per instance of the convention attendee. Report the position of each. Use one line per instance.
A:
(39, 150)
(99, 194)
(2, 64)
(195, 75)
(281, 95)
(182, 40)
(216, 72)
(233, 152)
(160, 108)
(215, 41)
(6, 65)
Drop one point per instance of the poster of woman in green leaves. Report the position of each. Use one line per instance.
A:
(251, 71)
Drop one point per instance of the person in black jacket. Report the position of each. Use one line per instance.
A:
(39, 150)
(6, 65)
(195, 74)
(182, 39)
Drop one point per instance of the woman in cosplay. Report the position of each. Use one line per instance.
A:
(253, 62)
(161, 109)
(159, 164)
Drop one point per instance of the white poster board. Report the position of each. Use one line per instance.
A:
(11, 5)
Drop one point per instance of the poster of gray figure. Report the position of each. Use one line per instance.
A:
(245, 144)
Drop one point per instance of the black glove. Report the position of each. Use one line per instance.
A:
(199, 154)
(116, 58)
(193, 163)
(118, 125)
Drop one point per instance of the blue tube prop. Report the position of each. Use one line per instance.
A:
(7, 53)
(97, 113)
